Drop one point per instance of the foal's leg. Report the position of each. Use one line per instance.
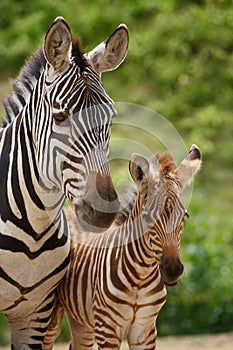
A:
(142, 335)
(108, 336)
(82, 338)
(108, 342)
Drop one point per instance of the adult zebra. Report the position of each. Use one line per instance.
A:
(115, 284)
(53, 144)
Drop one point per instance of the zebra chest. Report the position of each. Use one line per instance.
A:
(29, 269)
(151, 290)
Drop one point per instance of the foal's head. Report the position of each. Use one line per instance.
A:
(160, 203)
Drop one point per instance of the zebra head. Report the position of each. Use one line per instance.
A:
(160, 185)
(78, 114)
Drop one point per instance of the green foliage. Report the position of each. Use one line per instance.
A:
(180, 63)
(4, 332)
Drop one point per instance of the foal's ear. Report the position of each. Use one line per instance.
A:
(111, 53)
(138, 168)
(57, 44)
(189, 166)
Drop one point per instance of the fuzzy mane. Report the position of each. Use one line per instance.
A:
(24, 85)
(77, 53)
(28, 77)
(166, 162)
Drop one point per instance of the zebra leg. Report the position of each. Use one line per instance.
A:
(28, 323)
(82, 338)
(54, 328)
(108, 342)
(109, 336)
(142, 335)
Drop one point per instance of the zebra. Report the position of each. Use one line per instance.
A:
(53, 144)
(115, 284)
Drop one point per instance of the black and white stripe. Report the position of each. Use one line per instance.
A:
(115, 283)
(55, 137)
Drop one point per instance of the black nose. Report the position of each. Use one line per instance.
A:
(100, 204)
(94, 220)
(171, 269)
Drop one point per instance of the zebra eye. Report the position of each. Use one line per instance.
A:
(56, 105)
(60, 116)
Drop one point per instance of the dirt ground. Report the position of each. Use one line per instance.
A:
(213, 342)
(222, 341)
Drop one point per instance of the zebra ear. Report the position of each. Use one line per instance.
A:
(138, 168)
(189, 166)
(111, 53)
(57, 44)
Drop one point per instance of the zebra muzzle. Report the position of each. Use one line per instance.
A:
(100, 204)
(171, 269)
(93, 220)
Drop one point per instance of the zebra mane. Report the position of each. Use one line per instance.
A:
(77, 53)
(24, 85)
(29, 74)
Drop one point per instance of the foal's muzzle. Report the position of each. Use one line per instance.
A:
(171, 269)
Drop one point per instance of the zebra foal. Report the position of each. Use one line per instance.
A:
(115, 283)
(53, 144)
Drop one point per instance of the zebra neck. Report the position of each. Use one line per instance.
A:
(23, 200)
(138, 241)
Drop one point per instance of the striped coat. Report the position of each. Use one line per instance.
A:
(53, 144)
(116, 283)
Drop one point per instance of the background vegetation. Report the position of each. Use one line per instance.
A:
(180, 63)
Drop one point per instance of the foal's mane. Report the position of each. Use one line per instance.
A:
(166, 162)
(29, 74)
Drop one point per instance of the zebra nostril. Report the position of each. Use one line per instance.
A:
(171, 269)
(181, 268)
